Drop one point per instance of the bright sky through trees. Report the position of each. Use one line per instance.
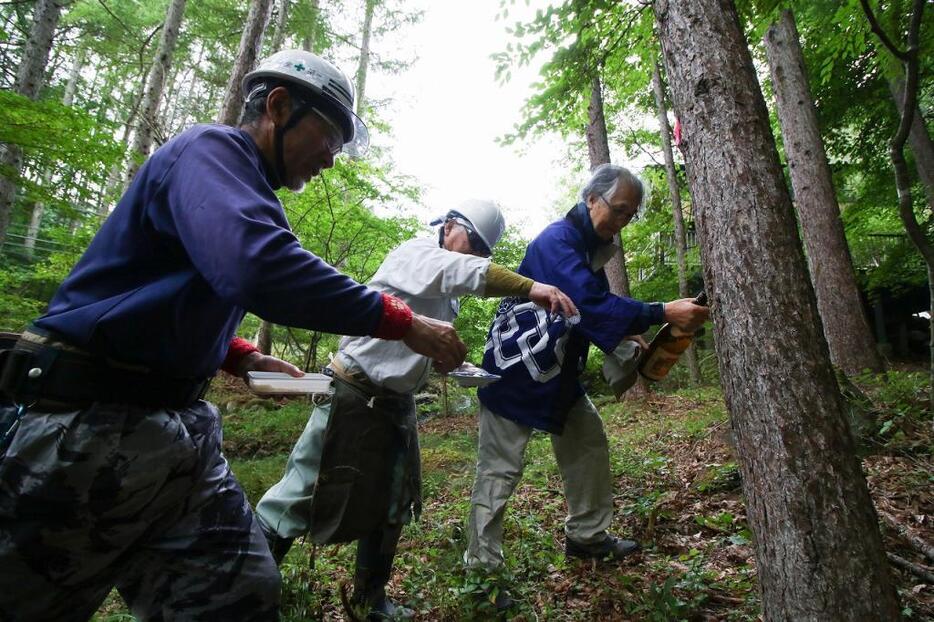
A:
(448, 111)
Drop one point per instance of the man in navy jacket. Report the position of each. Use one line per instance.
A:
(111, 471)
(540, 359)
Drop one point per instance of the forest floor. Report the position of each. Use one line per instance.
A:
(677, 491)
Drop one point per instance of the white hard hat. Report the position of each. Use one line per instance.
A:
(484, 215)
(325, 81)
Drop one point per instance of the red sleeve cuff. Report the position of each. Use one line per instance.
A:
(237, 349)
(396, 319)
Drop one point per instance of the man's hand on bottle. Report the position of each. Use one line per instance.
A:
(639, 339)
(437, 340)
(552, 299)
(685, 314)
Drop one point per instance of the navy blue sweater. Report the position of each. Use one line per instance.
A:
(541, 359)
(198, 239)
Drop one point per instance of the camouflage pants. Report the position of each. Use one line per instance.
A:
(127, 497)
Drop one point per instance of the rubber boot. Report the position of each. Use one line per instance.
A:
(278, 545)
(374, 567)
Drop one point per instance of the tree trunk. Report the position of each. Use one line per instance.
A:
(282, 19)
(311, 355)
(598, 147)
(149, 113)
(916, 233)
(310, 41)
(250, 43)
(852, 347)
(264, 337)
(598, 144)
(29, 79)
(817, 540)
(690, 355)
(364, 54)
(918, 139)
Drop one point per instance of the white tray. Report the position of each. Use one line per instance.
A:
(280, 383)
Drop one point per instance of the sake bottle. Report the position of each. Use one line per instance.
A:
(666, 348)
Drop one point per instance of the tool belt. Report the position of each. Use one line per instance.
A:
(39, 370)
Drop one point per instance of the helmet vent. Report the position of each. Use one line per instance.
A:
(337, 90)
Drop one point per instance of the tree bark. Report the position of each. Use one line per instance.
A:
(598, 147)
(852, 347)
(598, 144)
(250, 43)
(918, 139)
(29, 80)
(817, 540)
(310, 42)
(364, 54)
(264, 337)
(690, 355)
(282, 19)
(142, 142)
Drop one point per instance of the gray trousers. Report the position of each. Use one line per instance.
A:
(133, 498)
(583, 458)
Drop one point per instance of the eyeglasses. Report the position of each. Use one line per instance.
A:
(620, 213)
(477, 245)
(335, 137)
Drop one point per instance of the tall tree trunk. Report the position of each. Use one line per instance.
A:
(250, 43)
(311, 355)
(282, 20)
(598, 147)
(311, 41)
(364, 53)
(817, 539)
(264, 337)
(29, 79)
(149, 113)
(674, 191)
(852, 347)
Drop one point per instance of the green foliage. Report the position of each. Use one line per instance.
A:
(63, 140)
(719, 477)
(899, 402)
(20, 297)
(588, 39)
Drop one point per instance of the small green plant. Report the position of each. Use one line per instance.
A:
(718, 478)
(898, 401)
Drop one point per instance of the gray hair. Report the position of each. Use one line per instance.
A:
(606, 179)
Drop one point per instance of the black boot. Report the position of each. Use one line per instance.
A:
(610, 547)
(278, 545)
(374, 567)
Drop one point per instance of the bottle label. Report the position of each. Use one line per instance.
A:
(658, 366)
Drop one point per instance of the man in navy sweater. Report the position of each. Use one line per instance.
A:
(111, 471)
(540, 361)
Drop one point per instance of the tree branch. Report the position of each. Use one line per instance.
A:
(914, 569)
(876, 28)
